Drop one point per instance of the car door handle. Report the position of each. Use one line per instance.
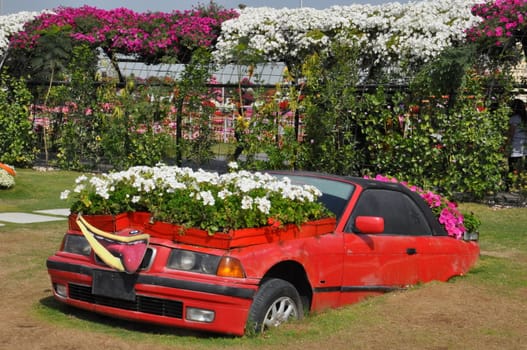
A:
(411, 251)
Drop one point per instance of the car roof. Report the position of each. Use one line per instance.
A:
(366, 184)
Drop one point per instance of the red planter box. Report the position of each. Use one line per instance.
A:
(235, 238)
(139, 219)
(109, 223)
(248, 236)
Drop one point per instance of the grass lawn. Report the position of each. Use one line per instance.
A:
(37, 190)
(486, 309)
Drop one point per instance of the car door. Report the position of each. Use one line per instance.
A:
(381, 262)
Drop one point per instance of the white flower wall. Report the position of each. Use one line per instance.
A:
(392, 34)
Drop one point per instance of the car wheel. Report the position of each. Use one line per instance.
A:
(276, 302)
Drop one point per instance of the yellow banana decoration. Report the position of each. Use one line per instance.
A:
(107, 257)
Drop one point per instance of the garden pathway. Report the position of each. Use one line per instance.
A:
(36, 216)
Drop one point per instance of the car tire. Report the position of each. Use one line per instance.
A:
(276, 302)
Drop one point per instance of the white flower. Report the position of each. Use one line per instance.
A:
(81, 179)
(65, 194)
(207, 198)
(224, 194)
(232, 165)
(79, 188)
(136, 199)
(246, 184)
(263, 204)
(247, 203)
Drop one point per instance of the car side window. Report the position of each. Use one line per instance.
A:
(401, 214)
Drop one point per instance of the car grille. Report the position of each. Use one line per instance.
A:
(145, 264)
(148, 305)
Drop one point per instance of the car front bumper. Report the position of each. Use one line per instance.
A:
(153, 298)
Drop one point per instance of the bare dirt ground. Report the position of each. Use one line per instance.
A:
(459, 315)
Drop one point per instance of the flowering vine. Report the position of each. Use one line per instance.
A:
(391, 35)
(149, 35)
(14, 23)
(502, 23)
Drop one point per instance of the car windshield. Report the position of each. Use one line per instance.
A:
(335, 194)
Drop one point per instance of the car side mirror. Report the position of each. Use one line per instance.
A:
(369, 224)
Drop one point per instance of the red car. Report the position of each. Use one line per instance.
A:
(385, 238)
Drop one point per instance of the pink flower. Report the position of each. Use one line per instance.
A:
(446, 211)
(433, 200)
(123, 30)
(107, 107)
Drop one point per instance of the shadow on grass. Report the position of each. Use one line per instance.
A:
(58, 313)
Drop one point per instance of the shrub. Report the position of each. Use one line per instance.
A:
(17, 139)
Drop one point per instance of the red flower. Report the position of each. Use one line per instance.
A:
(283, 104)
(208, 103)
(414, 109)
(273, 223)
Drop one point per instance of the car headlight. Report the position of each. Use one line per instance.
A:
(193, 261)
(76, 244)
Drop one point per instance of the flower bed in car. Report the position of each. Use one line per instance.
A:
(199, 199)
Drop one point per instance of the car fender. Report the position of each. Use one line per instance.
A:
(320, 256)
